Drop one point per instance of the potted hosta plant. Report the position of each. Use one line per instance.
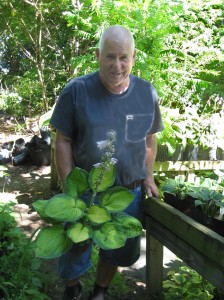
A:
(209, 206)
(100, 220)
(175, 193)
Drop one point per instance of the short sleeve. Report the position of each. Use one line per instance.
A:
(63, 114)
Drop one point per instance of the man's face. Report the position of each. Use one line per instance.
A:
(115, 60)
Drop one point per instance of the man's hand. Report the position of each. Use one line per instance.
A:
(151, 188)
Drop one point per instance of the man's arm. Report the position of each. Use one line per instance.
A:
(149, 183)
(63, 156)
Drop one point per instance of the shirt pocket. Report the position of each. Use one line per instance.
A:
(137, 127)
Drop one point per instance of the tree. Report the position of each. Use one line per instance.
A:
(45, 43)
(193, 60)
(34, 46)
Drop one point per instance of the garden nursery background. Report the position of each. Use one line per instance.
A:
(43, 44)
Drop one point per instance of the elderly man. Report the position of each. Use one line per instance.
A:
(89, 107)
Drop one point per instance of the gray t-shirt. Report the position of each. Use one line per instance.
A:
(86, 111)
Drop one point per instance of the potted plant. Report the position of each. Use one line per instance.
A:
(175, 192)
(209, 208)
(101, 220)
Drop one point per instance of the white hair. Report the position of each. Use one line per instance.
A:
(117, 32)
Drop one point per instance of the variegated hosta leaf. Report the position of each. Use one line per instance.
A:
(129, 225)
(109, 236)
(52, 242)
(79, 232)
(76, 182)
(101, 178)
(116, 199)
(98, 215)
(62, 207)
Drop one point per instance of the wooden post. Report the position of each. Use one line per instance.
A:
(154, 264)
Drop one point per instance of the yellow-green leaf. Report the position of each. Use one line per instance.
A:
(62, 207)
(79, 232)
(52, 242)
(98, 215)
(109, 236)
(116, 199)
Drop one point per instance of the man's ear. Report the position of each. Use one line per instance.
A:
(97, 53)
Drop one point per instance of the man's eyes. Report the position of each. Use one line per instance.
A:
(123, 58)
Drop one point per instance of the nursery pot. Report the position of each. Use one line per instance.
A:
(210, 222)
(78, 248)
(40, 156)
(183, 205)
(21, 158)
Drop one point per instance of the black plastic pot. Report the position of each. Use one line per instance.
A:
(40, 156)
(212, 223)
(80, 247)
(39, 151)
(183, 205)
(21, 158)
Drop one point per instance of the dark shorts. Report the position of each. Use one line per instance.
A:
(73, 265)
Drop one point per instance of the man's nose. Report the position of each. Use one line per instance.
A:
(117, 63)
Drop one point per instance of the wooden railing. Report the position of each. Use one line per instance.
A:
(199, 247)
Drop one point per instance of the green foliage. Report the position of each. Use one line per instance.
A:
(190, 57)
(51, 43)
(179, 49)
(3, 171)
(56, 239)
(172, 135)
(207, 192)
(209, 200)
(89, 222)
(177, 187)
(20, 276)
(102, 219)
(186, 284)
